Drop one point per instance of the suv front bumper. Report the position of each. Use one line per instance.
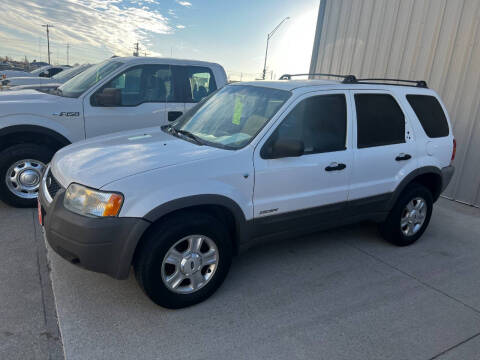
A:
(104, 245)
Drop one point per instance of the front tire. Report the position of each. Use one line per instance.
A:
(409, 217)
(21, 168)
(184, 260)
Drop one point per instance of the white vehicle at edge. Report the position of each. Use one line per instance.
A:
(253, 161)
(32, 82)
(115, 95)
(44, 71)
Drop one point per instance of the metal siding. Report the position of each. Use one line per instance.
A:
(435, 40)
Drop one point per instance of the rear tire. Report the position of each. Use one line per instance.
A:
(409, 217)
(30, 160)
(153, 269)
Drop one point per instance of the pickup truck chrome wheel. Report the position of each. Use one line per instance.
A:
(23, 178)
(190, 264)
(413, 216)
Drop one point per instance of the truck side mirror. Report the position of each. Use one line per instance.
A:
(108, 97)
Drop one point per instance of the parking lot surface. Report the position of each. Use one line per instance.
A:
(28, 323)
(341, 294)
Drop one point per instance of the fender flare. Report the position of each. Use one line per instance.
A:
(241, 228)
(409, 178)
(35, 129)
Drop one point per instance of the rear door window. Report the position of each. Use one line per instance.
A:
(200, 83)
(380, 120)
(430, 114)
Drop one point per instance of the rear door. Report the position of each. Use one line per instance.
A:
(145, 91)
(384, 144)
(292, 187)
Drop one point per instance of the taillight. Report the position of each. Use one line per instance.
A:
(454, 151)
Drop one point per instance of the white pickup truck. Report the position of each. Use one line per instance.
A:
(115, 95)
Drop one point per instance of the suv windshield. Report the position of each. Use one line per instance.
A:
(233, 116)
(85, 80)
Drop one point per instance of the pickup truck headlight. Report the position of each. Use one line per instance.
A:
(89, 202)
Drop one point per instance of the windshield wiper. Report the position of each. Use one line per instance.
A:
(185, 133)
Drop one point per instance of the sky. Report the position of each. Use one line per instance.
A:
(230, 32)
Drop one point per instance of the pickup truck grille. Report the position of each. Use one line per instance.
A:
(52, 185)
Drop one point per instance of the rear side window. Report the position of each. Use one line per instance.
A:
(380, 121)
(430, 114)
(200, 83)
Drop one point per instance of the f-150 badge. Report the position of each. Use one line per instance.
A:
(66, 113)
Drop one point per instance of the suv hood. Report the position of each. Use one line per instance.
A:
(108, 158)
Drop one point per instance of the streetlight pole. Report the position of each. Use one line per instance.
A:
(269, 36)
(48, 39)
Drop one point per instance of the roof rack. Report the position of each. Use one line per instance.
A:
(418, 83)
(347, 79)
(351, 79)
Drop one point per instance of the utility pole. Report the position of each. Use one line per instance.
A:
(135, 53)
(269, 36)
(68, 57)
(48, 39)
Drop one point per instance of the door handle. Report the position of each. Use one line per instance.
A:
(402, 157)
(173, 115)
(335, 167)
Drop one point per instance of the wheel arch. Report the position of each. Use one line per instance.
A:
(222, 207)
(428, 176)
(17, 134)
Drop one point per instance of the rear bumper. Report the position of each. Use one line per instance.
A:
(104, 245)
(447, 174)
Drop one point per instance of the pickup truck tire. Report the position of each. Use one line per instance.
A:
(409, 217)
(21, 167)
(183, 260)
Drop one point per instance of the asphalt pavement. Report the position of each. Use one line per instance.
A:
(28, 322)
(341, 294)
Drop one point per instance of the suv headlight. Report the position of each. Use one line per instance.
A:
(86, 201)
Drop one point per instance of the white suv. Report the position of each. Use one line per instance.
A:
(115, 95)
(255, 160)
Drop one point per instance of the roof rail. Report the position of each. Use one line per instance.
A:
(351, 79)
(418, 83)
(347, 79)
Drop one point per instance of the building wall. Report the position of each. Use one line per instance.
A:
(433, 40)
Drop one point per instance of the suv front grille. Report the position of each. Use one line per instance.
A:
(52, 185)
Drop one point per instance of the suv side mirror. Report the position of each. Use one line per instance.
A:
(282, 148)
(108, 97)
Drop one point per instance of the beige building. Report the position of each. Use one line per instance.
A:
(433, 40)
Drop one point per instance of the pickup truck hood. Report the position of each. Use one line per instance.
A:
(37, 104)
(102, 160)
(39, 87)
(28, 80)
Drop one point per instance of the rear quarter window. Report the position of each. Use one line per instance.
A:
(430, 114)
